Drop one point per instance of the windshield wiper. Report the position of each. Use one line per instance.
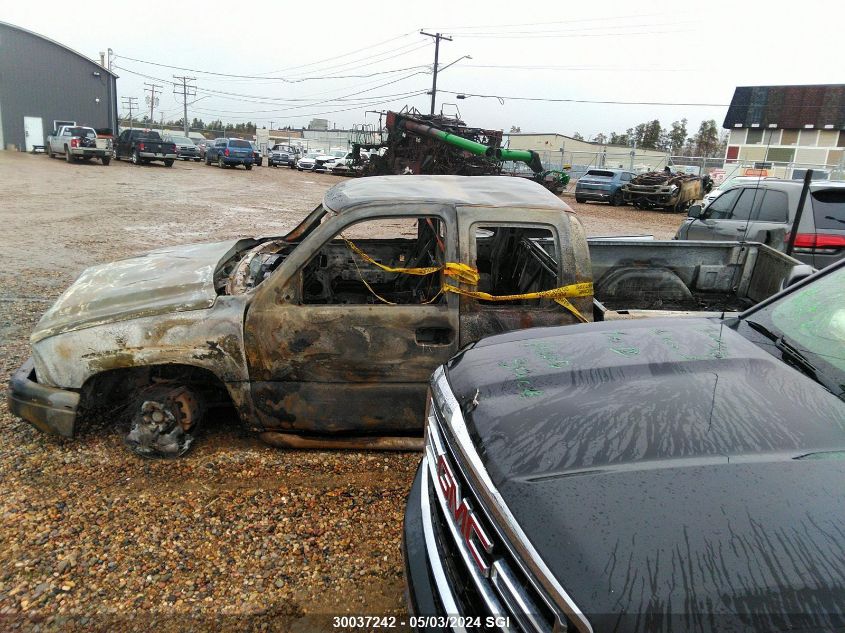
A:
(796, 358)
(830, 217)
(791, 354)
(762, 329)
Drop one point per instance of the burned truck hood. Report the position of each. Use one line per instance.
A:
(173, 279)
(671, 474)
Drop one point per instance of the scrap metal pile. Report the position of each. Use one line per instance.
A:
(665, 190)
(414, 143)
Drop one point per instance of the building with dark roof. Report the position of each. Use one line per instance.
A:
(788, 129)
(43, 82)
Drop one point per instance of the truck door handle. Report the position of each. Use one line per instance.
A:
(434, 335)
(741, 228)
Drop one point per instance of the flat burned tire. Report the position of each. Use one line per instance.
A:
(164, 419)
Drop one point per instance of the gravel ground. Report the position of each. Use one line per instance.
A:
(236, 535)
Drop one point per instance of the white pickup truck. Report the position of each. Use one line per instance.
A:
(76, 142)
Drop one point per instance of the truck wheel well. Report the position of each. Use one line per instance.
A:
(105, 397)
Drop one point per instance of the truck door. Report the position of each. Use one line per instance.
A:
(338, 344)
(516, 258)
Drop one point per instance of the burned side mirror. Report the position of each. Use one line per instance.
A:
(694, 212)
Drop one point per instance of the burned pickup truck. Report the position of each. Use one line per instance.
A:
(662, 190)
(322, 337)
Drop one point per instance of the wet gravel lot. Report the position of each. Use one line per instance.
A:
(235, 535)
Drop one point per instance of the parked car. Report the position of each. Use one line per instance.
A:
(664, 475)
(603, 185)
(186, 149)
(764, 211)
(229, 152)
(343, 166)
(203, 146)
(283, 155)
(325, 163)
(728, 183)
(79, 143)
(257, 159)
(143, 147)
(296, 331)
(307, 162)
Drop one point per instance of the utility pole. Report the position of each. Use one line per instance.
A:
(437, 37)
(131, 104)
(152, 99)
(185, 90)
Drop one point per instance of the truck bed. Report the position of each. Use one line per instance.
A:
(685, 276)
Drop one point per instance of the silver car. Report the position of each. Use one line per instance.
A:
(765, 210)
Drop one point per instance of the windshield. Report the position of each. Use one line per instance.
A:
(811, 322)
(182, 140)
(338, 154)
(312, 154)
(86, 132)
(236, 143)
(600, 173)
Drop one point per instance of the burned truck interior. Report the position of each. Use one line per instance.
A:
(338, 275)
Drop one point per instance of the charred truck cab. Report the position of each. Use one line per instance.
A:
(319, 335)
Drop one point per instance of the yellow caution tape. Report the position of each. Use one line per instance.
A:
(465, 274)
(559, 295)
(390, 269)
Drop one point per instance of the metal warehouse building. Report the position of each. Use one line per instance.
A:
(41, 82)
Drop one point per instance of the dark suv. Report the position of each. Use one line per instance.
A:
(229, 152)
(764, 211)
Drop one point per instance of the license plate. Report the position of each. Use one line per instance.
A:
(159, 154)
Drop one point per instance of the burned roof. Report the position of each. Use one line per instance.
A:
(788, 107)
(482, 191)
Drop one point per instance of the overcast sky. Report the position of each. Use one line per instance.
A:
(644, 51)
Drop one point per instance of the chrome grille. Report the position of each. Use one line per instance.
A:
(521, 584)
(497, 587)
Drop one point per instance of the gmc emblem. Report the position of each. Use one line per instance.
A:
(461, 513)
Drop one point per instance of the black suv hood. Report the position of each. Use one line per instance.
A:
(664, 470)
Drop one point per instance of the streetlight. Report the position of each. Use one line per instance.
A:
(433, 91)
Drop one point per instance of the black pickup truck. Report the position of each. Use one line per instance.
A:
(144, 146)
(652, 476)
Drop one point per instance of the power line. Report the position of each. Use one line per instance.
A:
(272, 100)
(610, 28)
(358, 101)
(313, 114)
(357, 50)
(567, 34)
(546, 23)
(295, 78)
(285, 80)
(551, 100)
(584, 68)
